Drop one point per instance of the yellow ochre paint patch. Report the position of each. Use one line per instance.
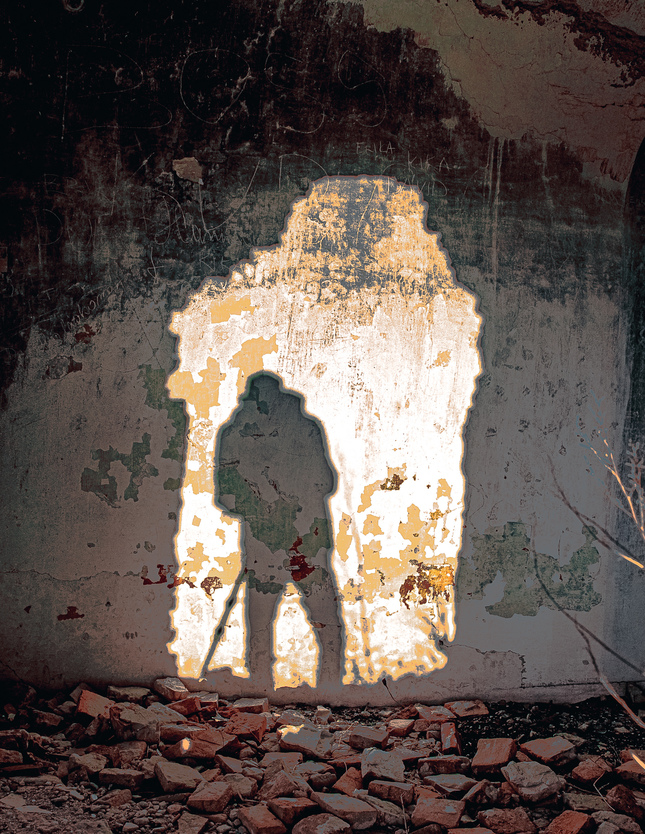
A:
(344, 537)
(371, 526)
(442, 359)
(223, 309)
(250, 358)
(444, 489)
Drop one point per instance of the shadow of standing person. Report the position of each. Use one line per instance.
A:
(274, 472)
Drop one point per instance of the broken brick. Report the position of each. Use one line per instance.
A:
(450, 742)
(450, 784)
(445, 812)
(381, 764)
(290, 809)
(321, 824)
(443, 764)
(357, 813)
(186, 706)
(259, 820)
(251, 705)
(555, 751)
(172, 689)
(400, 727)
(121, 777)
(247, 725)
(401, 793)
(96, 706)
(492, 754)
(507, 821)
(363, 737)
(435, 715)
(175, 777)
(350, 781)
(210, 797)
(465, 709)
(570, 822)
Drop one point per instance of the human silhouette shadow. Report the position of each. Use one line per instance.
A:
(273, 471)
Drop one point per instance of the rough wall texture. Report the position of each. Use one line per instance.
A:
(150, 149)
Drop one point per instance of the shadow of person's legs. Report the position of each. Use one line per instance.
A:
(273, 471)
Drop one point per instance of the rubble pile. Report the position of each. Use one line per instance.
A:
(167, 759)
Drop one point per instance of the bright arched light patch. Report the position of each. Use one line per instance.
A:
(358, 311)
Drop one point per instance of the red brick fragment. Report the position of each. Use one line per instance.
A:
(350, 781)
(623, 801)
(210, 797)
(122, 778)
(321, 824)
(251, 705)
(400, 793)
(492, 754)
(465, 709)
(357, 813)
(477, 830)
(291, 809)
(400, 727)
(187, 706)
(446, 812)
(96, 706)
(570, 822)
(289, 760)
(450, 741)
(435, 715)
(362, 737)
(555, 751)
(247, 725)
(632, 772)
(590, 770)
(507, 821)
(259, 820)
(443, 764)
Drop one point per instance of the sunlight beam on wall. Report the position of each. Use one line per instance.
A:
(359, 311)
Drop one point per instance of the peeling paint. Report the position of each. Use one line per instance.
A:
(101, 483)
(157, 397)
(507, 551)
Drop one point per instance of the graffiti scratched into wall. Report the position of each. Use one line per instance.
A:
(356, 326)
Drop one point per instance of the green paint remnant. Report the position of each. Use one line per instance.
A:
(154, 380)
(317, 537)
(251, 430)
(172, 483)
(101, 483)
(507, 550)
(273, 523)
(267, 587)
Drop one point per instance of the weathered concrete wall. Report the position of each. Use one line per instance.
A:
(152, 158)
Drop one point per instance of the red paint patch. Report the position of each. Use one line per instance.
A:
(181, 580)
(163, 576)
(85, 334)
(298, 563)
(72, 614)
